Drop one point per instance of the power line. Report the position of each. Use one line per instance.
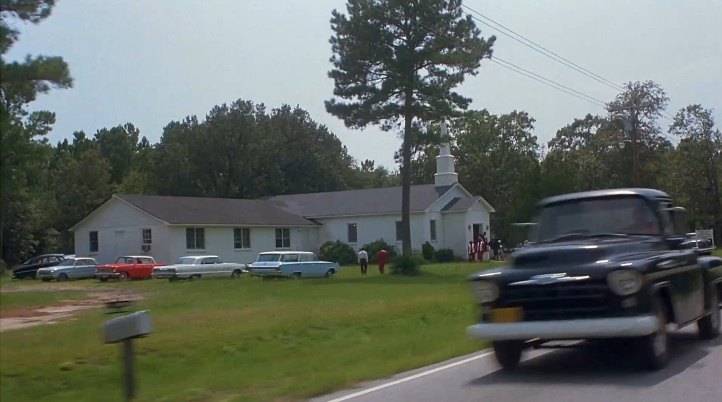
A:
(547, 81)
(554, 56)
(555, 85)
(540, 49)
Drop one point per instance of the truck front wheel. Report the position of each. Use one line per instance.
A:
(508, 353)
(655, 347)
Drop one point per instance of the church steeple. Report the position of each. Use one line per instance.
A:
(445, 174)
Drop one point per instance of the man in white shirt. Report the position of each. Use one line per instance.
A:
(363, 259)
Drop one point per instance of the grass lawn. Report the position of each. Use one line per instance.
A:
(226, 340)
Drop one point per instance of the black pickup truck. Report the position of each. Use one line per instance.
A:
(601, 264)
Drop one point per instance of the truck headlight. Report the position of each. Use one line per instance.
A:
(485, 291)
(625, 282)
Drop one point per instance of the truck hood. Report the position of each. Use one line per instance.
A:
(593, 257)
(583, 252)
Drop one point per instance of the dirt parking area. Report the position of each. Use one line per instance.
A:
(23, 317)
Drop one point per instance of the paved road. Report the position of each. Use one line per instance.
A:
(589, 373)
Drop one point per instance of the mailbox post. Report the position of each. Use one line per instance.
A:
(124, 329)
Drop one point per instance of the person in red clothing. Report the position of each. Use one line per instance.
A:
(471, 250)
(383, 257)
(478, 248)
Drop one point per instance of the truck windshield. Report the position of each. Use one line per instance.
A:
(615, 216)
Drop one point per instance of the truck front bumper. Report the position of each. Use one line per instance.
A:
(617, 327)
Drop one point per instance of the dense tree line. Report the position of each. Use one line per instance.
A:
(237, 151)
(243, 150)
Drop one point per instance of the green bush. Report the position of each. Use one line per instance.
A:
(407, 265)
(373, 248)
(338, 251)
(428, 251)
(444, 255)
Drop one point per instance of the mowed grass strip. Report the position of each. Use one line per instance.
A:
(251, 340)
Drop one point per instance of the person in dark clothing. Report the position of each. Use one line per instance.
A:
(495, 244)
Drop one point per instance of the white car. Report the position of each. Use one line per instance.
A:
(199, 266)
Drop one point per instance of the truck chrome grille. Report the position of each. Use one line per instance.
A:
(563, 301)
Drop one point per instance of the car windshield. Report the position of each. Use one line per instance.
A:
(268, 257)
(186, 260)
(67, 263)
(616, 216)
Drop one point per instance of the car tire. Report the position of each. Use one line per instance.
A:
(62, 277)
(508, 353)
(296, 276)
(655, 347)
(194, 277)
(709, 326)
(172, 279)
(45, 279)
(236, 274)
(330, 273)
(122, 276)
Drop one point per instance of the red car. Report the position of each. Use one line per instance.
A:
(130, 266)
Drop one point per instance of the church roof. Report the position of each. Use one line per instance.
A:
(291, 210)
(214, 211)
(371, 201)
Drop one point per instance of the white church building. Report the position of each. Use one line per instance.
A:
(444, 213)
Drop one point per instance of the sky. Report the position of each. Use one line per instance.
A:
(153, 62)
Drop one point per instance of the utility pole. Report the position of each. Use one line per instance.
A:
(630, 126)
(635, 147)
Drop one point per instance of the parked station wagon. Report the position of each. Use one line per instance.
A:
(602, 264)
(291, 264)
(70, 268)
(199, 266)
(128, 267)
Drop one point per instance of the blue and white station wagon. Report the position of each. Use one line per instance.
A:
(291, 264)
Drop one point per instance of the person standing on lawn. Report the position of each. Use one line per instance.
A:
(363, 259)
(471, 250)
(383, 257)
(484, 246)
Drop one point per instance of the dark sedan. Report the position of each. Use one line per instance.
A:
(29, 268)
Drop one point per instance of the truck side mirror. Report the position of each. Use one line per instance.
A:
(678, 217)
(679, 221)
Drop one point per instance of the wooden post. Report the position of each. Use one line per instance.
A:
(128, 369)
